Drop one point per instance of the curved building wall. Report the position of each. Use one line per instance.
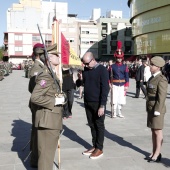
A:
(150, 26)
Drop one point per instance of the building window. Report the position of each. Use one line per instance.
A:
(71, 40)
(18, 49)
(18, 37)
(85, 42)
(36, 38)
(85, 32)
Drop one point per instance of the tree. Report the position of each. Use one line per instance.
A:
(2, 48)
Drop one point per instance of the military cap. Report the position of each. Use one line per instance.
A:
(38, 45)
(158, 61)
(119, 53)
(53, 49)
(37, 49)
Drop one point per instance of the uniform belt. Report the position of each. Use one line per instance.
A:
(60, 105)
(118, 81)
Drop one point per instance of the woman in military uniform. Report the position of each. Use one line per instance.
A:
(155, 106)
(48, 118)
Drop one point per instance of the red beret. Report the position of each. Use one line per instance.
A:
(38, 45)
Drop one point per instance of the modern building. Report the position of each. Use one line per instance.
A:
(150, 21)
(70, 31)
(112, 30)
(88, 38)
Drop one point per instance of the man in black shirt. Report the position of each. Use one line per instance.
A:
(68, 89)
(140, 79)
(96, 89)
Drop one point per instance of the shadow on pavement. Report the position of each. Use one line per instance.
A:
(21, 131)
(122, 142)
(74, 137)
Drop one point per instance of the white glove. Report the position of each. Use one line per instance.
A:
(59, 100)
(156, 113)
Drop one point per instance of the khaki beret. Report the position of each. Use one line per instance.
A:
(53, 49)
(50, 50)
(158, 61)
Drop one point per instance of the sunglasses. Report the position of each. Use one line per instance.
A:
(86, 64)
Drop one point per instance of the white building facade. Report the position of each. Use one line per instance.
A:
(22, 32)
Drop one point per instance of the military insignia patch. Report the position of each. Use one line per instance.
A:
(43, 83)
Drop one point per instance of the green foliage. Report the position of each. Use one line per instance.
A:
(1, 52)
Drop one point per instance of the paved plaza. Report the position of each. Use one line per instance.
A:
(127, 140)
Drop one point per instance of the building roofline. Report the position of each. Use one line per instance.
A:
(72, 15)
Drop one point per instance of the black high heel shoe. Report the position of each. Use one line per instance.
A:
(147, 157)
(158, 159)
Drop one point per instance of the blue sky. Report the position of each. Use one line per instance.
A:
(81, 7)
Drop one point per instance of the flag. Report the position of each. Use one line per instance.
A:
(65, 50)
(68, 55)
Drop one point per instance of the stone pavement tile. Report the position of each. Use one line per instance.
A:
(150, 166)
(84, 164)
(72, 154)
(7, 158)
(23, 167)
(115, 151)
(82, 143)
(7, 167)
(5, 147)
(116, 164)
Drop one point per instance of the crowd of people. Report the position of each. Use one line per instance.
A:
(52, 99)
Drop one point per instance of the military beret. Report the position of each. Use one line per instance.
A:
(38, 45)
(158, 61)
(53, 49)
(38, 48)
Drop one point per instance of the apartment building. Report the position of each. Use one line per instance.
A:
(112, 29)
(22, 32)
(88, 38)
(70, 31)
